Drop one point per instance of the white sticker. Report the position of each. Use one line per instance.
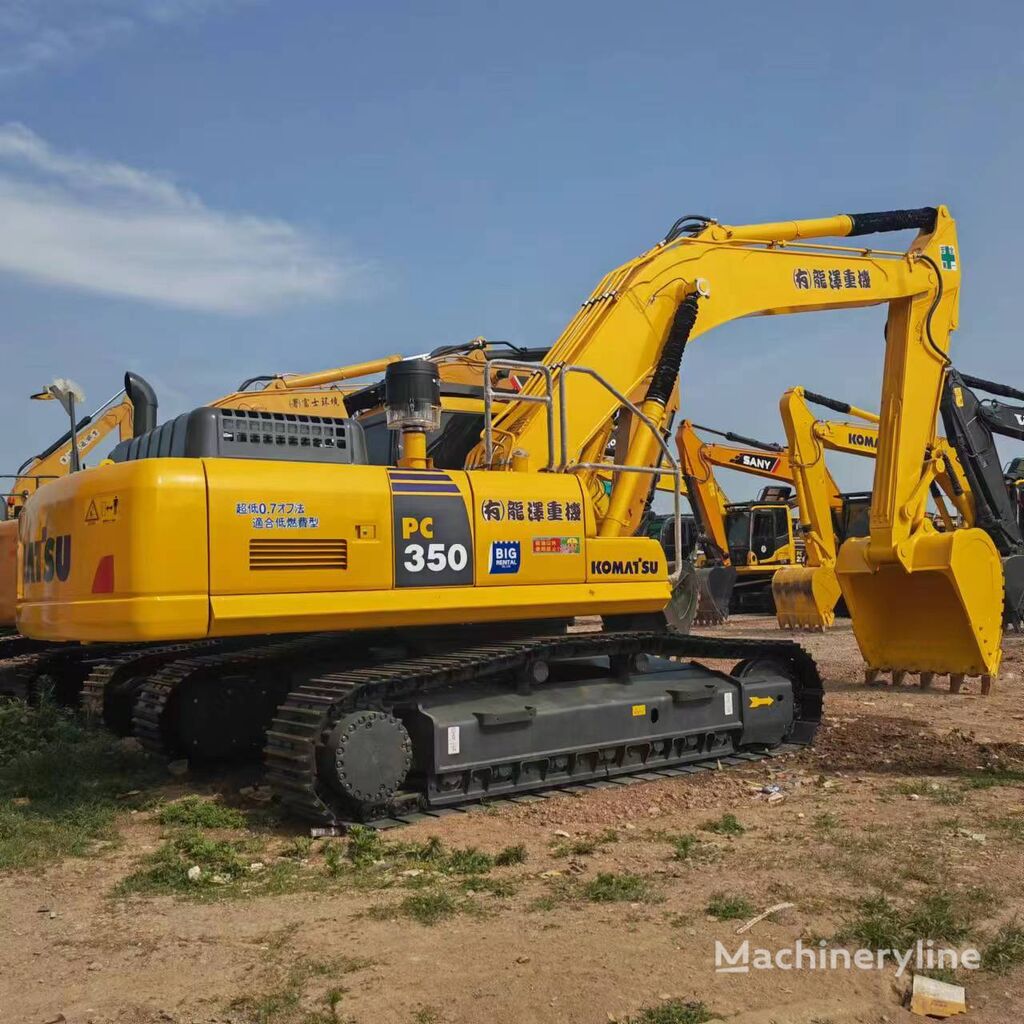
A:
(728, 707)
(453, 739)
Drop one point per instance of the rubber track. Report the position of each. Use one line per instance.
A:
(134, 662)
(311, 709)
(14, 644)
(155, 694)
(18, 675)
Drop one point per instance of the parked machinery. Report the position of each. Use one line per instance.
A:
(420, 659)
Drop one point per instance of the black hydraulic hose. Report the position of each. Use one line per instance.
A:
(829, 403)
(1003, 390)
(666, 373)
(954, 480)
(768, 446)
(249, 381)
(946, 361)
(693, 222)
(922, 219)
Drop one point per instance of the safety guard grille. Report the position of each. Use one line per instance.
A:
(297, 553)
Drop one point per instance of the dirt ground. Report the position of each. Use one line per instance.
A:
(880, 804)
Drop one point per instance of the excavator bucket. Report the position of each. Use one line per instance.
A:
(714, 592)
(1013, 595)
(682, 605)
(939, 610)
(805, 596)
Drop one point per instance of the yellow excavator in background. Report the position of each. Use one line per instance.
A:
(742, 543)
(118, 413)
(427, 662)
(806, 596)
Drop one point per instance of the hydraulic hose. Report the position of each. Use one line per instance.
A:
(666, 373)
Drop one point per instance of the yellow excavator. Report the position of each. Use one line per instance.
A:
(742, 544)
(338, 391)
(55, 461)
(407, 642)
(806, 596)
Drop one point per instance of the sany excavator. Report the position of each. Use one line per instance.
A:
(421, 659)
(749, 540)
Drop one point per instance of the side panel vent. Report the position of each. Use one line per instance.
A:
(291, 553)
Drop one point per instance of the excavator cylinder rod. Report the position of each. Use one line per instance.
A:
(845, 225)
(1003, 390)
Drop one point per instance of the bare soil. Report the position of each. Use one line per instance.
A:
(848, 826)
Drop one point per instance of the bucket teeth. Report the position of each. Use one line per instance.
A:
(874, 677)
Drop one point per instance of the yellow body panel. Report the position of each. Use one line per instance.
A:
(309, 547)
(8, 571)
(147, 519)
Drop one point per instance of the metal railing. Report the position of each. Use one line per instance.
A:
(564, 465)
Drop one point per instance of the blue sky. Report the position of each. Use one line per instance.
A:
(204, 190)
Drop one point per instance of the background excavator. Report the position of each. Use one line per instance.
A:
(742, 543)
(118, 413)
(971, 423)
(420, 658)
(806, 597)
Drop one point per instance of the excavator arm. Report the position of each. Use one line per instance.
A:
(971, 424)
(698, 459)
(631, 335)
(806, 596)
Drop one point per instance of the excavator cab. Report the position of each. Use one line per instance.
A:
(759, 534)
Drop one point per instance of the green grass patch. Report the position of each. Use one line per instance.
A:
(826, 822)
(726, 825)
(608, 887)
(880, 923)
(510, 855)
(429, 907)
(689, 847)
(1005, 950)
(62, 785)
(729, 907)
(287, 999)
(1011, 826)
(939, 792)
(583, 846)
(988, 778)
(196, 812)
(674, 1011)
(166, 870)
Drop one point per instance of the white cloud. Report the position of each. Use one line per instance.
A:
(105, 227)
(37, 33)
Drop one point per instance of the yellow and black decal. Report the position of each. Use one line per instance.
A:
(433, 539)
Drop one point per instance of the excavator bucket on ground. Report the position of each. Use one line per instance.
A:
(805, 596)
(714, 592)
(937, 610)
